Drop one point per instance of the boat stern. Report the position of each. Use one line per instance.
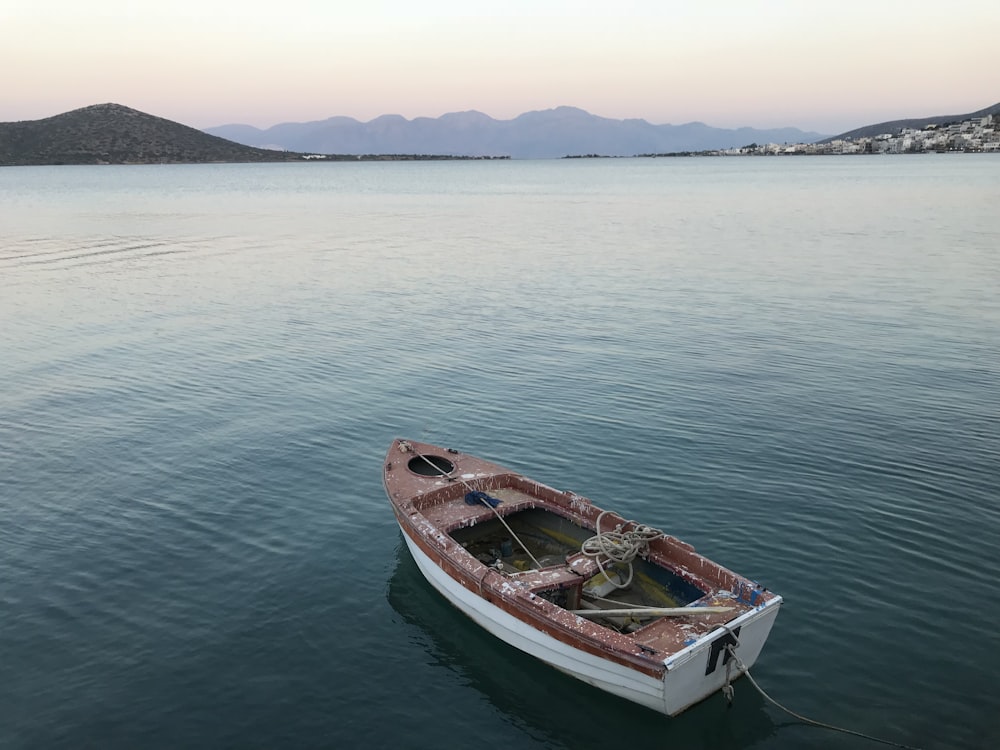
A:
(707, 664)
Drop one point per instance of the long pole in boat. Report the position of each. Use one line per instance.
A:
(650, 611)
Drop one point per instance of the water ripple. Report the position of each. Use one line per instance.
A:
(196, 406)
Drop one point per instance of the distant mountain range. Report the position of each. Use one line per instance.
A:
(547, 134)
(114, 134)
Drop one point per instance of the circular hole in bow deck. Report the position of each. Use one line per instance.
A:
(430, 466)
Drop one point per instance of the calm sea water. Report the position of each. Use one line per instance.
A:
(793, 364)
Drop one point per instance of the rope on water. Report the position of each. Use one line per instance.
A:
(619, 546)
(727, 691)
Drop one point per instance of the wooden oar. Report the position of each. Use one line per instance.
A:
(651, 611)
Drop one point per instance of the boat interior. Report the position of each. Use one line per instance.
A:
(543, 550)
(663, 598)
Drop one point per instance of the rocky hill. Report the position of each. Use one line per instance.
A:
(113, 134)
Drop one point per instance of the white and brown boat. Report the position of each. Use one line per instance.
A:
(621, 606)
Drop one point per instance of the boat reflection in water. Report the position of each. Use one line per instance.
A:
(543, 701)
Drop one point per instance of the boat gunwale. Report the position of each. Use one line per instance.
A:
(537, 612)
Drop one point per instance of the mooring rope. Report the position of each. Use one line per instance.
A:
(624, 547)
(477, 495)
(727, 690)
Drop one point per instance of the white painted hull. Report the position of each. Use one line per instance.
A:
(684, 682)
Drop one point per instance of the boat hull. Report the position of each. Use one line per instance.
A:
(684, 681)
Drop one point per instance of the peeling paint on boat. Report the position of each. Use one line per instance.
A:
(666, 664)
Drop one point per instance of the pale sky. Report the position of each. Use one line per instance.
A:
(827, 67)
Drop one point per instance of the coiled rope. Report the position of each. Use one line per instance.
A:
(727, 690)
(619, 546)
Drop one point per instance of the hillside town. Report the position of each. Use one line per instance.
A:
(975, 135)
